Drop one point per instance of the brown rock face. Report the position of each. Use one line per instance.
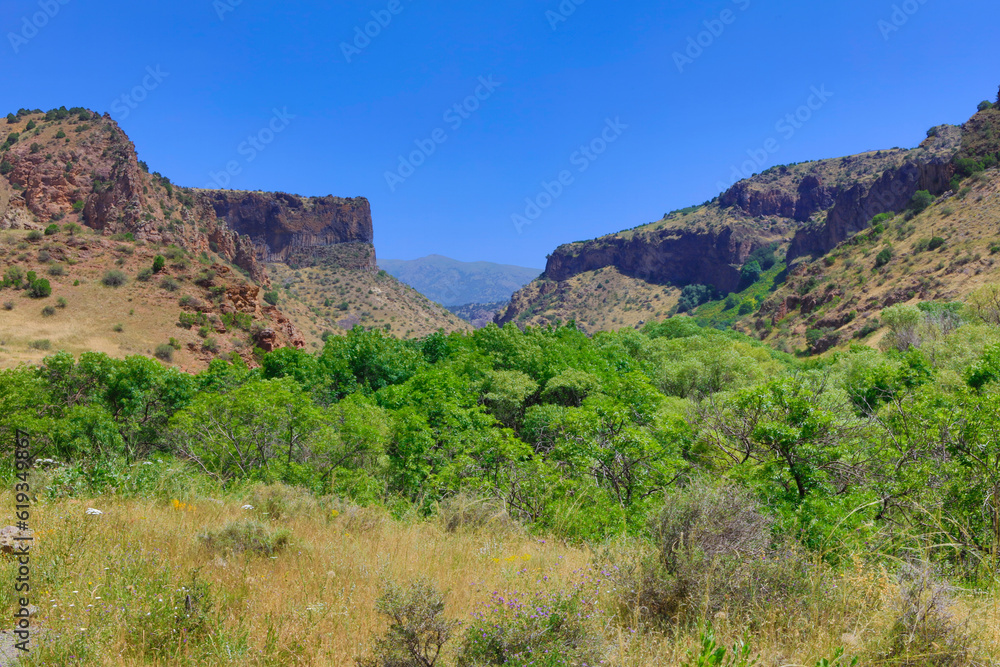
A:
(279, 223)
(854, 208)
(812, 196)
(678, 257)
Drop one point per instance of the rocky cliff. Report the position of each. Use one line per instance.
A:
(707, 256)
(854, 208)
(280, 223)
(803, 209)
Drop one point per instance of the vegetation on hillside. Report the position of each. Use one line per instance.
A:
(699, 487)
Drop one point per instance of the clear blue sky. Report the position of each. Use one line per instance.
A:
(225, 66)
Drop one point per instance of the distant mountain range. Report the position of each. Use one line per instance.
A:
(454, 283)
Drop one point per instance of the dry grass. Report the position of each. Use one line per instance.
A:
(373, 301)
(313, 603)
(148, 314)
(602, 300)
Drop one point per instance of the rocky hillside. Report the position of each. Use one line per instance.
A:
(800, 213)
(76, 170)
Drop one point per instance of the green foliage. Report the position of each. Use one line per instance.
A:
(750, 274)
(51, 229)
(246, 537)
(713, 655)
(159, 262)
(418, 630)
(272, 297)
(114, 278)
(79, 205)
(693, 296)
(921, 201)
(39, 288)
(883, 258)
(6, 167)
(553, 630)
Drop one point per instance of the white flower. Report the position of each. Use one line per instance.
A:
(91, 511)
(247, 507)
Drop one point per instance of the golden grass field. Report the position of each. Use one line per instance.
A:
(107, 586)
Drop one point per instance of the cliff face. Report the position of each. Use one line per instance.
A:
(679, 257)
(810, 197)
(279, 224)
(854, 209)
(808, 208)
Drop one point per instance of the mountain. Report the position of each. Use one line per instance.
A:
(791, 254)
(454, 283)
(78, 205)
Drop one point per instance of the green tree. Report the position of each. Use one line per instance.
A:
(260, 430)
(921, 201)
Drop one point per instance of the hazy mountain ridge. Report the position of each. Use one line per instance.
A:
(451, 282)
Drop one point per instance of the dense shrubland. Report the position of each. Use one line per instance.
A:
(823, 507)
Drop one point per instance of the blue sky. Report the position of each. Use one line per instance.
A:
(593, 93)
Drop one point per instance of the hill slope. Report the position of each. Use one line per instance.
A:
(453, 283)
(803, 216)
(77, 170)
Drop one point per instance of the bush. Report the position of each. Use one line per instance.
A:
(8, 305)
(712, 550)
(61, 302)
(210, 345)
(159, 262)
(114, 278)
(145, 275)
(418, 630)
(750, 274)
(551, 629)
(164, 352)
(43, 344)
(34, 235)
(79, 205)
(271, 297)
(883, 258)
(464, 512)
(57, 271)
(925, 633)
(245, 537)
(935, 243)
(48, 311)
(921, 201)
(39, 288)
(170, 284)
(693, 296)
(6, 167)
(60, 135)
(51, 229)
